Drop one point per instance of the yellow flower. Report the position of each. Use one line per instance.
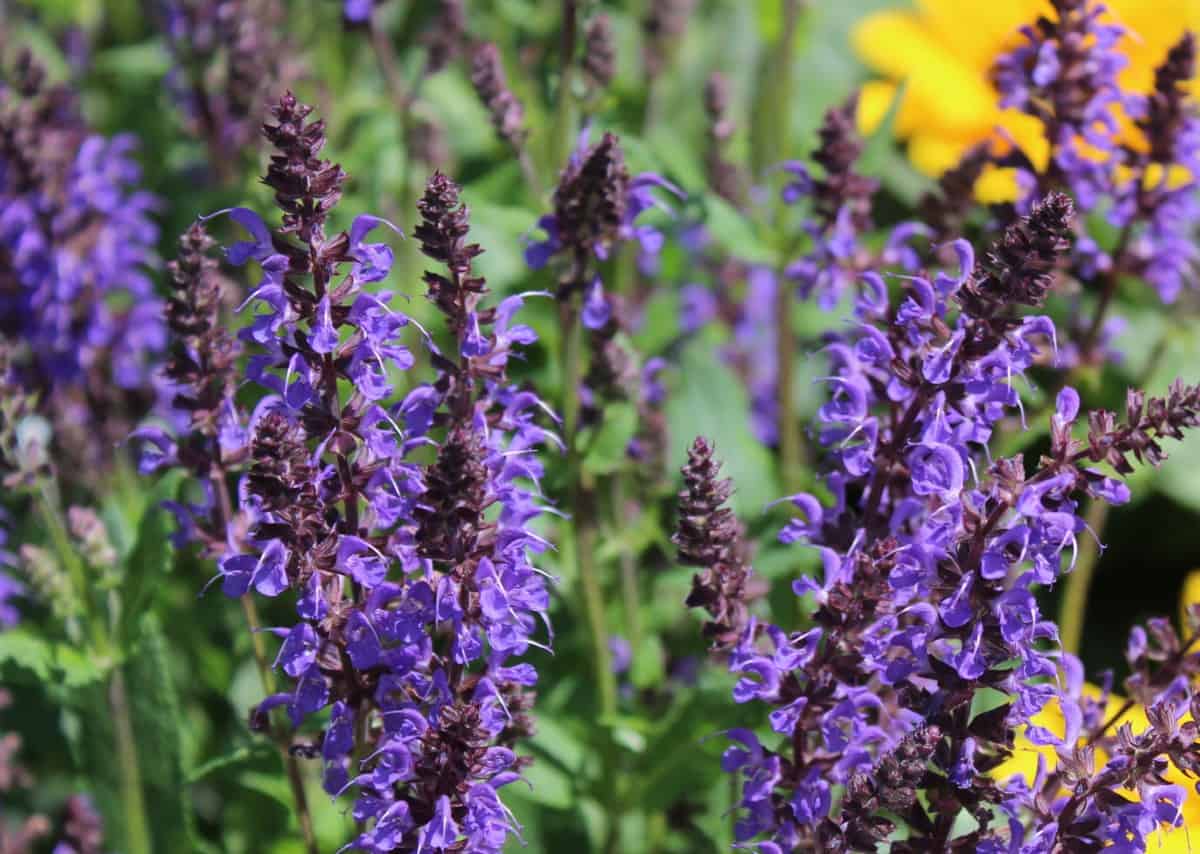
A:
(939, 56)
(1024, 761)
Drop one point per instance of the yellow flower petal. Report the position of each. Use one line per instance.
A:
(977, 32)
(1176, 840)
(952, 97)
(934, 154)
(945, 50)
(874, 100)
(996, 186)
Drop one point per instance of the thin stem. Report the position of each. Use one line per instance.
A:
(564, 121)
(791, 442)
(133, 800)
(582, 505)
(771, 128)
(1079, 582)
(629, 579)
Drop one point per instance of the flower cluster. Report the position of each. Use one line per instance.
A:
(932, 554)
(840, 203)
(229, 58)
(597, 204)
(751, 298)
(76, 238)
(596, 207)
(710, 536)
(413, 582)
(1131, 156)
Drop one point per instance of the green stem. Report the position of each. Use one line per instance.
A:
(791, 440)
(564, 112)
(771, 125)
(582, 507)
(1079, 582)
(279, 734)
(629, 579)
(50, 510)
(133, 801)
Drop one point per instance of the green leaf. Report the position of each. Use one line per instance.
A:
(159, 728)
(147, 564)
(551, 786)
(244, 755)
(648, 669)
(731, 231)
(987, 699)
(605, 448)
(60, 667)
(27, 652)
(273, 786)
(712, 402)
(148, 59)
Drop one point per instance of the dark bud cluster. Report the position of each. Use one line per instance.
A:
(589, 204)
(664, 24)
(450, 516)
(281, 476)
(491, 84)
(599, 53)
(1019, 269)
(709, 536)
(838, 153)
(442, 234)
(230, 57)
(1070, 97)
(82, 827)
(306, 187)
(1147, 422)
(1168, 110)
(447, 39)
(724, 177)
(891, 785)
(203, 355)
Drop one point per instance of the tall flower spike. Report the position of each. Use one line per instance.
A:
(932, 551)
(837, 154)
(413, 584)
(709, 536)
(596, 205)
(1165, 253)
(1019, 269)
(664, 24)
(840, 200)
(229, 58)
(599, 53)
(306, 187)
(76, 241)
(491, 84)
(203, 355)
(723, 176)
(442, 233)
(447, 38)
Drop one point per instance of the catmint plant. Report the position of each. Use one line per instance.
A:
(78, 306)
(932, 554)
(412, 581)
(1129, 158)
